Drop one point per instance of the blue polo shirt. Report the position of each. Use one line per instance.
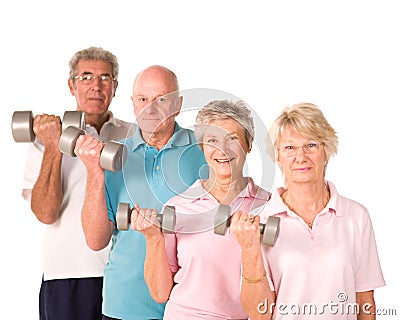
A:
(148, 178)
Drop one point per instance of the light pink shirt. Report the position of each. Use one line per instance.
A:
(207, 265)
(317, 272)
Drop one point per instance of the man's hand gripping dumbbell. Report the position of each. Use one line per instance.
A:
(93, 152)
(47, 128)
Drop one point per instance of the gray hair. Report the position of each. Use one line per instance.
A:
(222, 110)
(308, 120)
(93, 53)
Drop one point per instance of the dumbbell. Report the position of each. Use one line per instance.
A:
(113, 154)
(22, 124)
(166, 219)
(269, 230)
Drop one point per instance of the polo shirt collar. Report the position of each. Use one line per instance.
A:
(180, 137)
(277, 206)
(253, 191)
(111, 121)
(105, 130)
(334, 199)
(196, 192)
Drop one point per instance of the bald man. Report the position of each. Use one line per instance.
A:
(163, 159)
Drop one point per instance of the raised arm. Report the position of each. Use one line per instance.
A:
(96, 225)
(157, 272)
(256, 295)
(48, 188)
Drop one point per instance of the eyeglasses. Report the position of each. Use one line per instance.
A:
(308, 148)
(88, 78)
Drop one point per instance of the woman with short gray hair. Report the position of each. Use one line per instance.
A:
(195, 256)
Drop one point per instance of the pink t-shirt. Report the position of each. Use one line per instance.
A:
(317, 272)
(207, 265)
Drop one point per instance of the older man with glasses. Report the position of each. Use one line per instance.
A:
(55, 185)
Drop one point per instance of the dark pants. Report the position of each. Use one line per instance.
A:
(71, 299)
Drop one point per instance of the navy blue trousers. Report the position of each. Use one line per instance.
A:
(71, 299)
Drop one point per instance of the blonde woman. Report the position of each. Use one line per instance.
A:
(325, 263)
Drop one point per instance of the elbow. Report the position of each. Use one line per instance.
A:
(158, 291)
(45, 217)
(96, 238)
(160, 297)
(95, 245)
(46, 220)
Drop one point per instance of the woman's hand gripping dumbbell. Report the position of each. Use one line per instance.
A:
(268, 231)
(144, 219)
(93, 152)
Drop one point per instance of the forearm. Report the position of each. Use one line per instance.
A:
(47, 192)
(256, 296)
(95, 222)
(366, 304)
(157, 272)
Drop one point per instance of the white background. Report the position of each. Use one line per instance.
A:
(343, 56)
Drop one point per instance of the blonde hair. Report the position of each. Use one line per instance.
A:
(305, 119)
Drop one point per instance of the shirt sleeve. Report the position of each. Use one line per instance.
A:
(171, 247)
(264, 249)
(369, 275)
(171, 250)
(32, 169)
(110, 211)
(267, 268)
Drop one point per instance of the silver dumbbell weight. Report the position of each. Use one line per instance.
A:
(113, 154)
(22, 124)
(166, 220)
(269, 230)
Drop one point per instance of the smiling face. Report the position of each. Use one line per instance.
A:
(93, 98)
(301, 167)
(225, 148)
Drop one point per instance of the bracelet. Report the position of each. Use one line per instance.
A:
(254, 280)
